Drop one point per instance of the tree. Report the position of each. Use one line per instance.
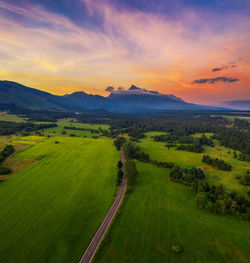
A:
(130, 171)
(119, 141)
(119, 176)
(119, 164)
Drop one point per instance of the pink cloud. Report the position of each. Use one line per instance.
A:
(151, 50)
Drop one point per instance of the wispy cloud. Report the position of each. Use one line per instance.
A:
(214, 80)
(151, 50)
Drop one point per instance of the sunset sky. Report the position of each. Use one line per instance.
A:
(197, 50)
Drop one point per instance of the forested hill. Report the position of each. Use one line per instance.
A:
(132, 100)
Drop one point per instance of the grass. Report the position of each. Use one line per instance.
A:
(51, 210)
(158, 151)
(79, 133)
(231, 118)
(4, 116)
(158, 214)
(29, 140)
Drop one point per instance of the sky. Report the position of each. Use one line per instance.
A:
(197, 50)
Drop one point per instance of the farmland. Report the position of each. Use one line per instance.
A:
(64, 180)
(80, 133)
(56, 204)
(158, 214)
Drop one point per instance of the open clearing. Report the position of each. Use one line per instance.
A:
(88, 134)
(231, 118)
(159, 152)
(51, 210)
(158, 214)
(4, 116)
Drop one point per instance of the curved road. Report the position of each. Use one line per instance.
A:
(96, 241)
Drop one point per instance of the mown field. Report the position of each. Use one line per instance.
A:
(50, 210)
(58, 130)
(158, 151)
(158, 214)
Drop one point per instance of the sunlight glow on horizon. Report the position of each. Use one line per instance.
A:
(50, 51)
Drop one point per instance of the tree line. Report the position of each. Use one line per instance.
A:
(99, 130)
(217, 163)
(7, 151)
(8, 128)
(210, 197)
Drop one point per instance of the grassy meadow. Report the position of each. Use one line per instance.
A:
(51, 210)
(158, 151)
(158, 214)
(4, 116)
(58, 130)
(231, 118)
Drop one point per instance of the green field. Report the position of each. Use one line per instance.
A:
(58, 130)
(159, 152)
(231, 118)
(4, 116)
(158, 214)
(50, 210)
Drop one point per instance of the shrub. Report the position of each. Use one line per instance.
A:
(5, 170)
(176, 248)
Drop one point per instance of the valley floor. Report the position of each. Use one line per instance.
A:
(51, 210)
(158, 214)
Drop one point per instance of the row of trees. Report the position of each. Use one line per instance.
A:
(130, 151)
(8, 128)
(186, 176)
(99, 130)
(172, 138)
(130, 171)
(216, 199)
(217, 163)
(210, 197)
(197, 148)
(187, 143)
(8, 150)
(120, 172)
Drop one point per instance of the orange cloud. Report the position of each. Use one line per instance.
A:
(50, 52)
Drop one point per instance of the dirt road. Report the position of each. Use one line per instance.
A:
(96, 241)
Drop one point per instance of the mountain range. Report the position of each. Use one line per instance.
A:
(238, 104)
(134, 99)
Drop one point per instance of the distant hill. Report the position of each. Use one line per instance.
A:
(140, 99)
(238, 104)
(132, 100)
(25, 97)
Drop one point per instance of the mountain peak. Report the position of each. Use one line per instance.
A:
(133, 87)
(138, 90)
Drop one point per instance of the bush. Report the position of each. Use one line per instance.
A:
(119, 164)
(130, 171)
(119, 176)
(5, 170)
(176, 248)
